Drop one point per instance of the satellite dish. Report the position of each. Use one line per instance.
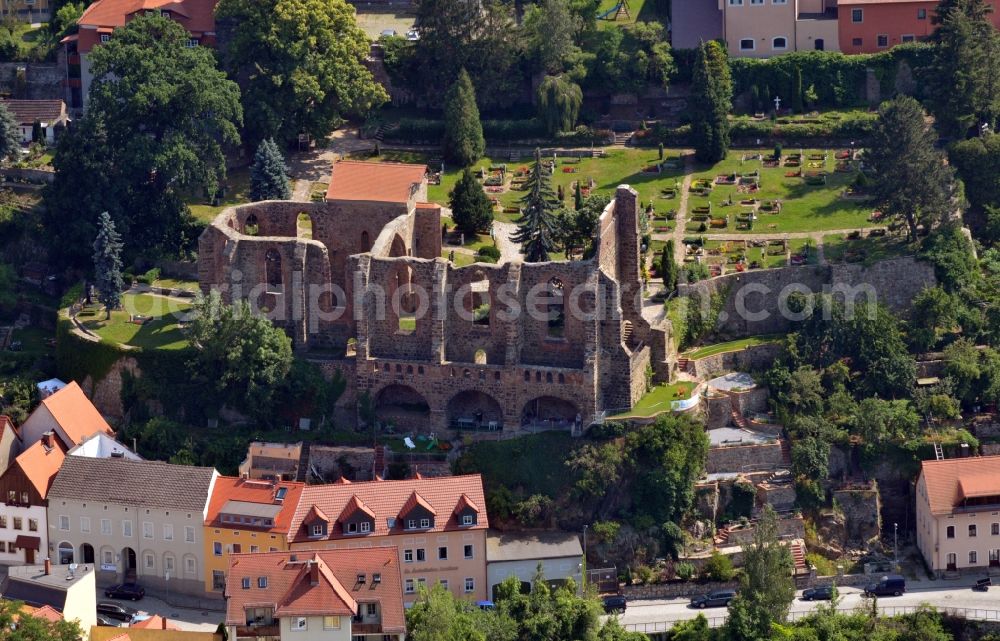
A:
(72, 567)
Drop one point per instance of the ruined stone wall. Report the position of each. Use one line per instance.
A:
(333, 462)
(750, 359)
(741, 458)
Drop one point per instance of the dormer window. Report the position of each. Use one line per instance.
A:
(165, 14)
(246, 583)
(105, 37)
(365, 526)
(467, 519)
(411, 524)
(262, 582)
(352, 528)
(425, 523)
(318, 529)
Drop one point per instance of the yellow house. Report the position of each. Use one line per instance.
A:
(245, 515)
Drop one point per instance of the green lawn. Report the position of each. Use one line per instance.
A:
(732, 346)
(804, 207)
(162, 332)
(839, 249)
(658, 399)
(237, 185)
(173, 283)
(34, 340)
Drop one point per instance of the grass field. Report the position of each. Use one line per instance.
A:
(162, 332)
(804, 207)
(732, 346)
(237, 186)
(839, 249)
(658, 399)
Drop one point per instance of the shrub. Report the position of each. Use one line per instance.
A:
(644, 574)
(685, 571)
(606, 531)
(488, 254)
(150, 276)
(607, 430)
(719, 567)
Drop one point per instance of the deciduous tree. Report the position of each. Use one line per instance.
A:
(300, 64)
(269, 175)
(463, 132)
(559, 101)
(10, 134)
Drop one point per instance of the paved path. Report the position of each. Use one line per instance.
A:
(815, 236)
(510, 252)
(301, 191)
(680, 220)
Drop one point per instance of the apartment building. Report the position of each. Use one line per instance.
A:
(134, 519)
(329, 595)
(67, 413)
(24, 488)
(437, 525)
(245, 515)
(765, 28)
(958, 514)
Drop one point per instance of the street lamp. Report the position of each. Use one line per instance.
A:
(895, 540)
(584, 575)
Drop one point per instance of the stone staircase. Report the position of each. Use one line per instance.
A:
(683, 363)
(786, 451)
(736, 413)
(722, 537)
(622, 138)
(627, 333)
(378, 467)
(302, 474)
(798, 556)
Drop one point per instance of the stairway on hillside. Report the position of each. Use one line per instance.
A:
(302, 473)
(786, 451)
(683, 363)
(378, 467)
(736, 413)
(798, 556)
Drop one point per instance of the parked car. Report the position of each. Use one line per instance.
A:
(817, 594)
(615, 603)
(890, 584)
(116, 611)
(413, 35)
(388, 33)
(107, 621)
(131, 591)
(714, 599)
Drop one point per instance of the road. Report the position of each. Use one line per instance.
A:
(940, 594)
(204, 619)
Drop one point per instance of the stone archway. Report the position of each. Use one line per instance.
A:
(87, 553)
(549, 412)
(474, 410)
(65, 551)
(403, 407)
(398, 247)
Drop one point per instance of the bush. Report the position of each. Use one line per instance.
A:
(607, 430)
(507, 130)
(684, 571)
(488, 254)
(417, 129)
(643, 574)
(719, 567)
(606, 531)
(149, 277)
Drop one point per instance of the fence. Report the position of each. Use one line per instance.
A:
(972, 614)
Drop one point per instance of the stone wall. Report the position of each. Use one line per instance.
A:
(861, 509)
(676, 589)
(32, 80)
(754, 300)
(106, 394)
(750, 359)
(334, 462)
(741, 458)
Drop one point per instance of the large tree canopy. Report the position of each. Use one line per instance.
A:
(159, 116)
(711, 100)
(300, 65)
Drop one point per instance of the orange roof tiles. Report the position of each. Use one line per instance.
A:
(46, 612)
(195, 15)
(7, 424)
(75, 414)
(387, 182)
(465, 502)
(40, 464)
(387, 500)
(231, 488)
(317, 583)
(155, 622)
(414, 501)
(950, 481)
(353, 506)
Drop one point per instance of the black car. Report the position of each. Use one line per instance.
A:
(131, 591)
(106, 621)
(116, 611)
(890, 584)
(614, 603)
(818, 594)
(714, 599)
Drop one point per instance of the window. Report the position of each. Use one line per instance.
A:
(972, 530)
(425, 523)
(468, 551)
(882, 40)
(147, 530)
(366, 526)
(973, 557)
(17, 522)
(443, 553)
(372, 609)
(747, 44)
(995, 529)
(299, 624)
(245, 583)
(407, 556)
(779, 1)
(262, 582)
(950, 532)
(85, 524)
(168, 563)
(64, 523)
(331, 623)
(193, 42)
(33, 525)
(106, 527)
(188, 534)
(467, 519)
(444, 583)
(411, 524)
(470, 584)
(108, 556)
(254, 549)
(25, 500)
(421, 556)
(237, 548)
(857, 42)
(217, 548)
(779, 43)
(12, 496)
(352, 528)
(218, 580)
(757, 2)
(149, 561)
(907, 38)
(105, 37)
(168, 531)
(421, 581)
(408, 586)
(3, 521)
(857, 15)
(190, 565)
(164, 13)
(127, 528)
(921, 14)
(735, 3)
(317, 529)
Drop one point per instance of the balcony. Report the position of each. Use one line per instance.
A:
(258, 631)
(366, 628)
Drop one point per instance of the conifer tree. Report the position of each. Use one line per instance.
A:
(108, 264)
(470, 207)
(269, 175)
(463, 132)
(668, 267)
(536, 226)
(712, 96)
(578, 196)
(798, 93)
(10, 139)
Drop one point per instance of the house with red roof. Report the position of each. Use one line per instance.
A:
(340, 595)
(102, 17)
(24, 488)
(245, 515)
(958, 514)
(68, 414)
(437, 526)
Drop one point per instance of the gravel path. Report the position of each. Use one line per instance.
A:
(680, 220)
(510, 252)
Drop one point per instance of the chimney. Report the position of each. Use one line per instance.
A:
(47, 440)
(48, 566)
(313, 573)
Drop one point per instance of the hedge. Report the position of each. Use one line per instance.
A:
(745, 131)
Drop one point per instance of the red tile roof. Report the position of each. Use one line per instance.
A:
(155, 622)
(194, 15)
(465, 502)
(75, 414)
(317, 583)
(387, 500)
(6, 423)
(387, 182)
(27, 112)
(231, 488)
(353, 506)
(46, 612)
(416, 500)
(951, 481)
(40, 464)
